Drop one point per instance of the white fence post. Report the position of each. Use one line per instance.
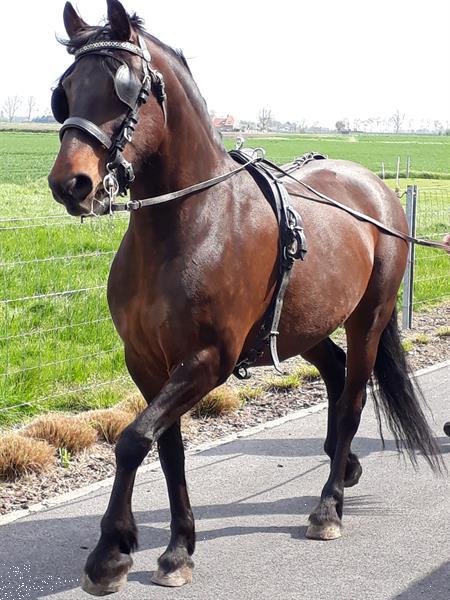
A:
(408, 279)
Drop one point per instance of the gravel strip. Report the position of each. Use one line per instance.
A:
(98, 462)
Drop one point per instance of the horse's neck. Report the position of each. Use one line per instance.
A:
(191, 152)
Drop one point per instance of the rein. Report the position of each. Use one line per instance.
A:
(134, 93)
(258, 155)
(197, 187)
(355, 213)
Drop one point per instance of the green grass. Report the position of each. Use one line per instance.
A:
(429, 154)
(61, 351)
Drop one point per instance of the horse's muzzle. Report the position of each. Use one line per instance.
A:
(76, 193)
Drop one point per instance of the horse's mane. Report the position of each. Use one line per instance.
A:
(97, 33)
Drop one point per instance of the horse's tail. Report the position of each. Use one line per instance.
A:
(399, 398)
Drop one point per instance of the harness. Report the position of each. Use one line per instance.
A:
(133, 93)
(292, 246)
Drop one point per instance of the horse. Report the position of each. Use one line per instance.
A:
(194, 277)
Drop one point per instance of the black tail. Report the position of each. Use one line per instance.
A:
(399, 399)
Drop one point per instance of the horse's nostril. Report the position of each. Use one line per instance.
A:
(79, 187)
(72, 190)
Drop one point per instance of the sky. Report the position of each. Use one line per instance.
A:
(315, 61)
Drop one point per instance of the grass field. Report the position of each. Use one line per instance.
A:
(58, 348)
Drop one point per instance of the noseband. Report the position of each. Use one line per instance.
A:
(131, 91)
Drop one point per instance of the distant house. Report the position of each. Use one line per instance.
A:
(227, 123)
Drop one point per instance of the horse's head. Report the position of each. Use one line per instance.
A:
(99, 100)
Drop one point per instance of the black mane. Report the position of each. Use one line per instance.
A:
(98, 33)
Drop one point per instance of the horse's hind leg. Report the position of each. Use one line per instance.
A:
(364, 329)
(330, 361)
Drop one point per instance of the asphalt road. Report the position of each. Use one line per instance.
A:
(251, 498)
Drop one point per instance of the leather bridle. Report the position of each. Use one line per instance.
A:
(133, 92)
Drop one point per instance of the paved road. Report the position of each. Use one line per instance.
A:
(251, 498)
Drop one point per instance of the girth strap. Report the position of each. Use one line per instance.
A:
(292, 245)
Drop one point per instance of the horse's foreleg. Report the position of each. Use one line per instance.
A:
(175, 565)
(363, 338)
(330, 361)
(107, 566)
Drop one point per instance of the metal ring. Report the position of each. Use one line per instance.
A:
(259, 154)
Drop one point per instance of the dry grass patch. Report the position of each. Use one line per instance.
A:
(281, 383)
(222, 400)
(292, 381)
(420, 338)
(443, 331)
(407, 345)
(134, 405)
(108, 423)
(20, 455)
(72, 433)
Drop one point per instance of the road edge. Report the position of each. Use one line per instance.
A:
(153, 466)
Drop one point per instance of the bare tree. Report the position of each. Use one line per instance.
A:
(264, 118)
(301, 126)
(397, 120)
(31, 106)
(438, 127)
(11, 106)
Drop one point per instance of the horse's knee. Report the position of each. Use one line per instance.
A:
(131, 448)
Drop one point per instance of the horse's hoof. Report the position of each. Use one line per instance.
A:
(103, 589)
(331, 531)
(176, 578)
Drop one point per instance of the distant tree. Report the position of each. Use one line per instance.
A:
(31, 106)
(264, 118)
(397, 120)
(439, 127)
(341, 126)
(356, 124)
(301, 126)
(11, 106)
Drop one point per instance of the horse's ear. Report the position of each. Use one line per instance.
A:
(118, 21)
(72, 20)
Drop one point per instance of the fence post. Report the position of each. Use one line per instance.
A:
(408, 279)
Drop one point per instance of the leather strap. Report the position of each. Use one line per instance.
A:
(136, 204)
(356, 213)
(88, 127)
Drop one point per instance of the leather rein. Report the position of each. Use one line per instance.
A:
(258, 155)
(120, 172)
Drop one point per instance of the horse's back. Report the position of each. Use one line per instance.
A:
(355, 186)
(345, 254)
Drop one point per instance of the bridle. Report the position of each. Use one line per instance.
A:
(132, 92)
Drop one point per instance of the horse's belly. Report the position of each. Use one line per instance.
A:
(326, 288)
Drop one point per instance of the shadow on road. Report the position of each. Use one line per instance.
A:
(41, 557)
(435, 586)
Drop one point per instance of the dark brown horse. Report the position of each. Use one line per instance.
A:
(193, 278)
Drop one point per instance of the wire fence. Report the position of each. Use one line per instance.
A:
(432, 266)
(58, 347)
